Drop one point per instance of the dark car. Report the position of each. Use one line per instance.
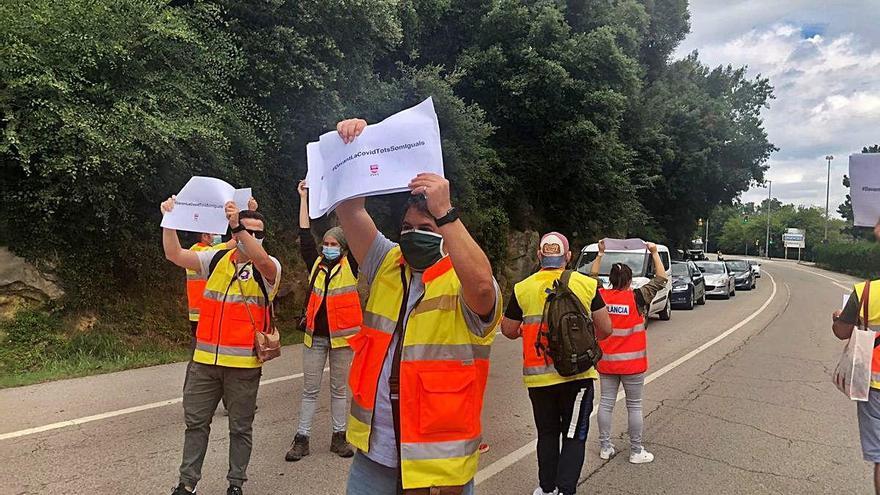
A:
(741, 271)
(697, 255)
(688, 285)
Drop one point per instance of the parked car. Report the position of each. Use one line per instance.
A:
(688, 285)
(639, 260)
(743, 276)
(756, 267)
(697, 255)
(719, 281)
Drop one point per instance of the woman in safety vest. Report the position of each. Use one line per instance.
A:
(333, 315)
(624, 354)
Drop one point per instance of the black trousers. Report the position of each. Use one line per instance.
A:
(562, 410)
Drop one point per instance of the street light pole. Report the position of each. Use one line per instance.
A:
(767, 241)
(827, 194)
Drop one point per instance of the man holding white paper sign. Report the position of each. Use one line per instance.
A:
(421, 359)
(379, 163)
(863, 310)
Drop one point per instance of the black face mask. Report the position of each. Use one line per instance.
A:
(421, 249)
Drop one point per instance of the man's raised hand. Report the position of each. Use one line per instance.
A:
(350, 129)
(303, 189)
(232, 213)
(167, 205)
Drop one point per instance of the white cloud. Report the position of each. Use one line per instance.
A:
(823, 60)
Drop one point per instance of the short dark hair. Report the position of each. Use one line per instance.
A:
(252, 214)
(621, 276)
(419, 202)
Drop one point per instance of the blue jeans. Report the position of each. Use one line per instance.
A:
(371, 478)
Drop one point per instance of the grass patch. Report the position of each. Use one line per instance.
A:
(35, 347)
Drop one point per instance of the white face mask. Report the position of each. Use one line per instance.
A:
(216, 239)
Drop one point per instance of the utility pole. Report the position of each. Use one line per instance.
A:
(706, 247)
(767, 242)
(827, 194)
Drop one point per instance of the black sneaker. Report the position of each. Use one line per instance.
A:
(234, 490)
(181, 490)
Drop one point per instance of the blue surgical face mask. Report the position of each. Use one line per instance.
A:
(216, 239)
(332, 253)
(552, 261)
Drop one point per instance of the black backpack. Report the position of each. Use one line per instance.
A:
(569, 335)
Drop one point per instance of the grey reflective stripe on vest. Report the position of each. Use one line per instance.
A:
(530, 320)
(225, 350)
(439, 450)
(445, 352)
(234, 298)
(342, 290)
(538, 370)
(379, 322)
(624, 356)
(365, 416)
(443, 303)
(194, 276)
(875, 377)
(345, 332)
(626, 332)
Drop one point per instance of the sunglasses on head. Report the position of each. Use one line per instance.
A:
(258, 234)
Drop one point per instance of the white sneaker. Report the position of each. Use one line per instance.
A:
(606, 453)
(642, 457)
(538, 491)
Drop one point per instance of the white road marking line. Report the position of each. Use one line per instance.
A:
(122, 412)
(529, 448)
(836, 282)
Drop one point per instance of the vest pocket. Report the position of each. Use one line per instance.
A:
(360, 346)
(446, 401)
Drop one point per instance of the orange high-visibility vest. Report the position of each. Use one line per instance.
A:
(195, 285)
(225, 335)
(531, 294)
(344, 316)
(625, 352)
(873, 323)
(443, 373)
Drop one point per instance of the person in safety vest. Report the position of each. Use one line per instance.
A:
(421, 359)
(240, 286)
(333, 315)
(561, 405)
(625, 353)
(863, 306)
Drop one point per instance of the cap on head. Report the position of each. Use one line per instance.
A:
(554, 244)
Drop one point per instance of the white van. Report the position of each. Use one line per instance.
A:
(639, 260)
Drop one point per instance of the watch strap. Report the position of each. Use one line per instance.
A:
(239, 228)
(449, 217)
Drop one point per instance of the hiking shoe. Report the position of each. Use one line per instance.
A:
(538, 491)
(606, 453)
(234, 490)
(339, 445)
(181, 490)
(298, 449)
(642, 457)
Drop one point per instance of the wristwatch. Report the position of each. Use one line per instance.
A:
(239, 228)
(449, 217)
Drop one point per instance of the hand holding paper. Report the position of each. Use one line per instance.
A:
(199, 206)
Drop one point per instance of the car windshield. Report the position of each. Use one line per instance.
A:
(636, 261)
(738, 266)
(680, 270)
(711, 267)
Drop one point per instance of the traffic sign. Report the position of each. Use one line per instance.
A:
(794, 238)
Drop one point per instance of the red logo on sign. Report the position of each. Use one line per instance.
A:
(195, 216)
(374, 169)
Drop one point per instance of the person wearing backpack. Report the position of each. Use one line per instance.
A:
(624, 354)
(333, 315)
(561, 404)
(863, 308)
(240, 286)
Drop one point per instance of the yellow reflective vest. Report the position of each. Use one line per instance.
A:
(443, 373)
(531, 294)
(344, 316)
(873, 323)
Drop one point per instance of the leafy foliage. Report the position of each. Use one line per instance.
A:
(861, 259)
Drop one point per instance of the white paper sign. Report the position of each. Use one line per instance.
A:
(625, 244)
(382, 160)
(199, 206)
(864, 177)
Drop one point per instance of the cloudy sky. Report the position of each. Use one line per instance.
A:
(823, 58)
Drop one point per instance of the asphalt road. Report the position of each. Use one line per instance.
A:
(739, 401)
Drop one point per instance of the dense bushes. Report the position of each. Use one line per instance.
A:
(861, 259)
